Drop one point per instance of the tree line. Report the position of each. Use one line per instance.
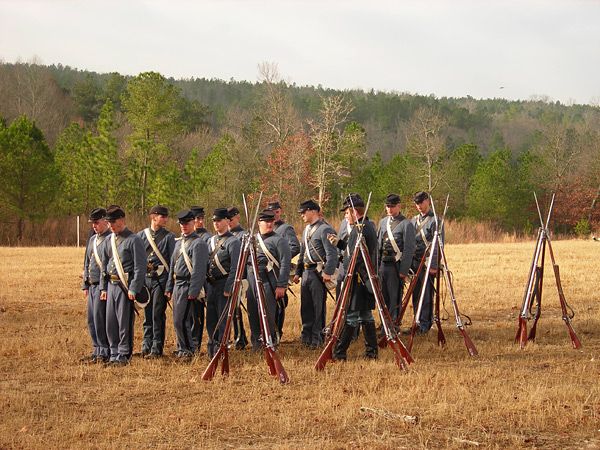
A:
(73, 140)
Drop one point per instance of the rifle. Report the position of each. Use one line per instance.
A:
(333, 330)
(275, 366)
(534, 285)
(438, 243)
(403, 357)
(234, 299)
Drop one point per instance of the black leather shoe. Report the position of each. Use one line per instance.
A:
(88, 358)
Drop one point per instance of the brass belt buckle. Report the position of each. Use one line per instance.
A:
(306, 266)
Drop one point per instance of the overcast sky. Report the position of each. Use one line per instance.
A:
(484, 48)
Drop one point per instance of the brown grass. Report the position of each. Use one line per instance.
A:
(546, 396)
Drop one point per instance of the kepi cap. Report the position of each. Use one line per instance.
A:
(273, 205)
(185, 216)
(309, 205)
(266, 215)
(198, 211)
(220, 214)
(392, 200)
(113, 213)
(352, 200)
(97, 214)
(158, 209)
(421, 196)
(232, 211)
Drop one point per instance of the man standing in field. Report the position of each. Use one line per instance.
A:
(200, 305)
(286, 231)
(159, 243)
(273, 256)
(224, 251)
(362, 301)
(396, 242)
(186, 279)
(92, 273)
(425, 229)
(124, 263)
(316, 265)
(239, 333)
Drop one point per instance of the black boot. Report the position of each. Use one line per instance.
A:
(370, 333)
(343, 342)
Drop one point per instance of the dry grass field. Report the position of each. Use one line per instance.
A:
(545, 396)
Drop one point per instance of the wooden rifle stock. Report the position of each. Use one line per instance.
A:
(391, 335)
(223, 351)
(339, 315)
(436, 315)
(273, 361)
(563, 301)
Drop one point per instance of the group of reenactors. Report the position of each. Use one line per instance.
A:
(195, 273)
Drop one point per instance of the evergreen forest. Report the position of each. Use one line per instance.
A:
(72, 140)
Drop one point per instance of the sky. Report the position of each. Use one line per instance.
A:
(514, 49)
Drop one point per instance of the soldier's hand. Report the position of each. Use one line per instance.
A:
(191, 297)
(333, 239)
(326, 277)
(279, 292)
(401, 275)
(226, 294)
(296, 279)
(131, 295)
(86, 292)
(432, 271)
(103, 296)
(168, 295)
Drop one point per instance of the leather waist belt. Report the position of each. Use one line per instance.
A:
(212, 279)
(310, 266)
(92, 283)
(181, 277)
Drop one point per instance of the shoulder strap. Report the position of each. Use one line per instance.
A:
(391, 237)
(307, 240)
(420, 225)
(95, 249)
(154, 246)
(267, 253)
(186, 257)
(122, 275)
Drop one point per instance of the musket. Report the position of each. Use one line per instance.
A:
(403, 357)
(334, 329)
(436, 314)
(459, 323)
(223, 351)
(273, 361)
(539, 270)
(435, 244)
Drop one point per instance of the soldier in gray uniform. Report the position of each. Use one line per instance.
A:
(425, 229)
(131, 255)
(186, 278)
(92, 272)
(362, 301)
(239, 334)
(159, 243)
(286, 231)
(224, 251)
(396, 242)
(200, 304)
(274, 258)
(317, 262)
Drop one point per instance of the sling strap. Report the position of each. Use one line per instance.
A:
(267, 253)
(154, 246)
(391, 236)
(213, 256)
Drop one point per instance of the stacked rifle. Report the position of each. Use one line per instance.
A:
(533, 290)
(334, 329)
(436, 244)
(248, 250)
